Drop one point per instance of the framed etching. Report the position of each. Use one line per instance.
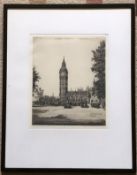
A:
(68, 90)
(68, 100)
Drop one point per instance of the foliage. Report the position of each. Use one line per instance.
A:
(36, 78)
(99, 69)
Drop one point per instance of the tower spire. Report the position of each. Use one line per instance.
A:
(63, 62)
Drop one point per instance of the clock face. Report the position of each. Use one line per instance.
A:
(63, 74)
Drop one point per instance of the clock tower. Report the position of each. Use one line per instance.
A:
(63, 76)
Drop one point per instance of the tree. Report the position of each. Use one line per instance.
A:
(36, 78)
(98, 68)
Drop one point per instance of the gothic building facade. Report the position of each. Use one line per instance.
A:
(63, 76)
(76, 98)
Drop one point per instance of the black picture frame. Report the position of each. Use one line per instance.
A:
(70, 6)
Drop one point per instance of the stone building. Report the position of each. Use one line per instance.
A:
(76, 98)
(63, 76)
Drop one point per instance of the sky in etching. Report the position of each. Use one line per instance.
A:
(48, 54)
